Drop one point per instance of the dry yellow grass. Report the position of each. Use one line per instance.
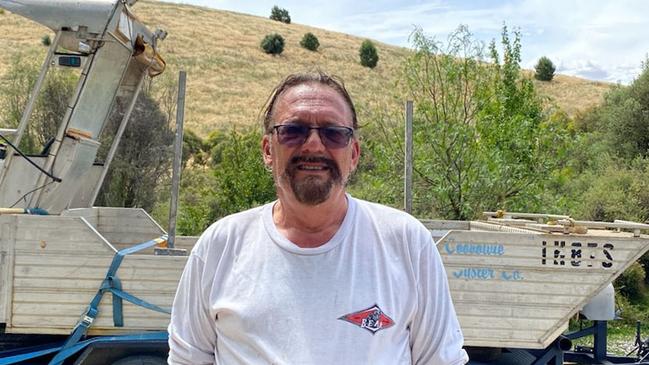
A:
(573, 94)
(229, 77)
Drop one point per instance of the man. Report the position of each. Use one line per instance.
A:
(316, 277)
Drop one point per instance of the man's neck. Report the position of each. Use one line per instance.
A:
(310, 226)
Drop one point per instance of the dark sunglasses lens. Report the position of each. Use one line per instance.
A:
(335, 137)
(292, 135)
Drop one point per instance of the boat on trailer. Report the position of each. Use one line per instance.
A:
(70, 269)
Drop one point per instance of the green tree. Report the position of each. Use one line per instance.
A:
(280, 15)
(523, 143)
(447, 85)
(51, 104)
(368, 54)
(143, 159)
(482, 140)
(310, 42)
(273, 44)
(623, 118)
(544, 69)
(241, 179)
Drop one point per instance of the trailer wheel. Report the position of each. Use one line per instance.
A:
(141, 360)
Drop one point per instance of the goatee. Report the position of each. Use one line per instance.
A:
(312, 190)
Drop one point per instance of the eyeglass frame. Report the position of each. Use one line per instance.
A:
(328, 143)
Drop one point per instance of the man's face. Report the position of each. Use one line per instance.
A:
(310, 172)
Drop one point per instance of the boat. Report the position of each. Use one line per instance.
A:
(69, 267)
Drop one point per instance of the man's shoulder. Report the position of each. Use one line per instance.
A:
(386, 213)
(241, 218)
(230, 228)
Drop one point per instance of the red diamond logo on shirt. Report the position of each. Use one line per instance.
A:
(372, 319)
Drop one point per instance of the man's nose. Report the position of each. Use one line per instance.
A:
(313, 141)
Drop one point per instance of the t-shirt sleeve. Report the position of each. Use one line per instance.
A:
(192, 333)
(436, 337)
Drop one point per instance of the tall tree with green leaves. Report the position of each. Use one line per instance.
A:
(522, 142)
(448, 85)
(482, 140)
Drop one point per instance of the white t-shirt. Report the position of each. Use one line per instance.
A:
(376, 293)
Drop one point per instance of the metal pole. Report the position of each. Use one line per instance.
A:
(24, 121)
(178, 157)
(116, 139)
(407, 193)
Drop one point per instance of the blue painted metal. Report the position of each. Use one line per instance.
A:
(140, 337)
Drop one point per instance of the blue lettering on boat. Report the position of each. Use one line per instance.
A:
(475, 273)
(477, 249)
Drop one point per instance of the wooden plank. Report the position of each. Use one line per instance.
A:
(503, 343)
(59, 331)
(90, 214)
(76, 271)
(514, 334)
(526, 311)
(444, 224)
(81, 298)
(553, 334)
(55, 233)
(65, 315)
(124, 226)
(484, 226)
(168, 286)
(503, 323)
(7, 234)
(139, 261)
(26, 310)
(526, 274)
(507, 298)
(186, 242)
(545, 289)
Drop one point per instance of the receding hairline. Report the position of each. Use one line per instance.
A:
(318, 78)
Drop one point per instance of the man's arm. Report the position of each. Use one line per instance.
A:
(435, 335)
(192, 331)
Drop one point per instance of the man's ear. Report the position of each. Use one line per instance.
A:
(266, 150)
(356, 153)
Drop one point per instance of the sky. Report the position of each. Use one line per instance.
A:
(593, 39)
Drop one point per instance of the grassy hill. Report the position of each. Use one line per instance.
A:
(229, 77)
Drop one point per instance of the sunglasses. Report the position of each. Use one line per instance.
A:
(293, 135)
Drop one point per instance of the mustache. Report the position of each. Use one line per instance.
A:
(314, 159)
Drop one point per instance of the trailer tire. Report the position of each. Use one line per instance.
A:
(141, 360)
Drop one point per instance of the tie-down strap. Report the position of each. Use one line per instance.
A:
(111, 284)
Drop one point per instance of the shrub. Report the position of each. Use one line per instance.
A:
(368, 54)
(310, 42)
(544, 69)
(631, 284)
(46, 41)
(273, 44)
(280, 14)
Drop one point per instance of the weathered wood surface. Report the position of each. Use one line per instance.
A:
(511, 287)
(60, 263)
(521, 289)
(7, 230)
(122, 227)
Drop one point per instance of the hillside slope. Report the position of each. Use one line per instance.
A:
(229, 77)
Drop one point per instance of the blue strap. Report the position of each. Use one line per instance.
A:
(137, 301)
(15, 359)
(110, 284)
(139, 337)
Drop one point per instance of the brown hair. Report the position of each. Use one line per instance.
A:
(293, 80)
